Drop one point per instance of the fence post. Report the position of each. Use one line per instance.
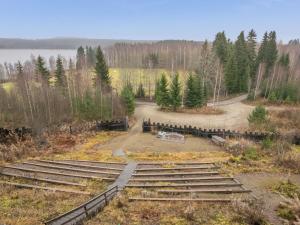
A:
(85, 210)
(105, 197)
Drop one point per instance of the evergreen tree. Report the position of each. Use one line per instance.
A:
(156, 92)
(175, 96)
(163, 92)
(41, 69)
(19, 69)
(80, 58)
(140, 91)
(90, 57)
(60, 73)
(128, 99)
(243, 67)
(192, 93)
(251, 45)
(271, 52)
(101, 69)
(230, 74)
(220, 46)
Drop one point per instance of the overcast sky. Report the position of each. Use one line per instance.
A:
(148, 19)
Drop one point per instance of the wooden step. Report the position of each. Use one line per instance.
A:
(176, 174)
(184, 185)
(43, 179)
(44, 188)
(221, 191)
(177, 168)
(68, 168)
(79, 165)
(182, 199)
(179, 179)
(100, 162)
(57, 173)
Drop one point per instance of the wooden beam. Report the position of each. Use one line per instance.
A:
(70, 169)
(182, 199)
(178, 179)
(184, 185)
(178, 168)
(57, 173)
(101, 162)
(222, 191)
(44, 188)
(79, 165)
(43, 179)
(175, 163)
(174, 174)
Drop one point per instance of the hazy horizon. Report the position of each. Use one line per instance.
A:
(148, 20)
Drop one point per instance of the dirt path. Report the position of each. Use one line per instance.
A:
(235, 117)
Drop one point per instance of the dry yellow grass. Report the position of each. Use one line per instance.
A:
(205, 156)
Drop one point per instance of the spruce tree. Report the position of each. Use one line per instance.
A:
(191, 93)
(175, 90)
(41, 69)
(220, 46)
(163, 93)
(60, 73)
(230, 74)
(251, 45)
(19, 69)
(127, 97)
(80, 58)
(242, 60)
(101, 69)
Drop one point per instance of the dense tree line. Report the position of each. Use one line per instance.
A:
(41, 97)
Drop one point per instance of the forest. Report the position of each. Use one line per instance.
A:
(175, 74)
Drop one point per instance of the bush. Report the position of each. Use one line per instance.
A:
(258, 116)
(267, 143)
(250, 154)
(272, 97)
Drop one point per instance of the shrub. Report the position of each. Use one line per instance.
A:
(250, 154)
(267, 143)
(258, 116)
(287, 188)
(272, 97)
(250, 212)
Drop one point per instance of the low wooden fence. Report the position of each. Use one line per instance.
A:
(77, 215)
(8, 135)
(149, 126)
(121, 125)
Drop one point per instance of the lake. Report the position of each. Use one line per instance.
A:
(15, 55)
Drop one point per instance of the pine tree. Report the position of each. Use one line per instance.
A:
(80, 58)
(192, 94)
(41, 69)
(175, 96)
(90, 57)
(140, 91)
(60, 73)
(271, 52)
(251, 45)
(19, 69)
(163, 93)
(230, 74)
(220, 46)
(101, 69)
(242, 60)
(128, 99)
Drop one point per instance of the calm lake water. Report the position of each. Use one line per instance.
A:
(14, 55)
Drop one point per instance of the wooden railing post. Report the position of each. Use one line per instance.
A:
(105, 197)
(85, 210)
